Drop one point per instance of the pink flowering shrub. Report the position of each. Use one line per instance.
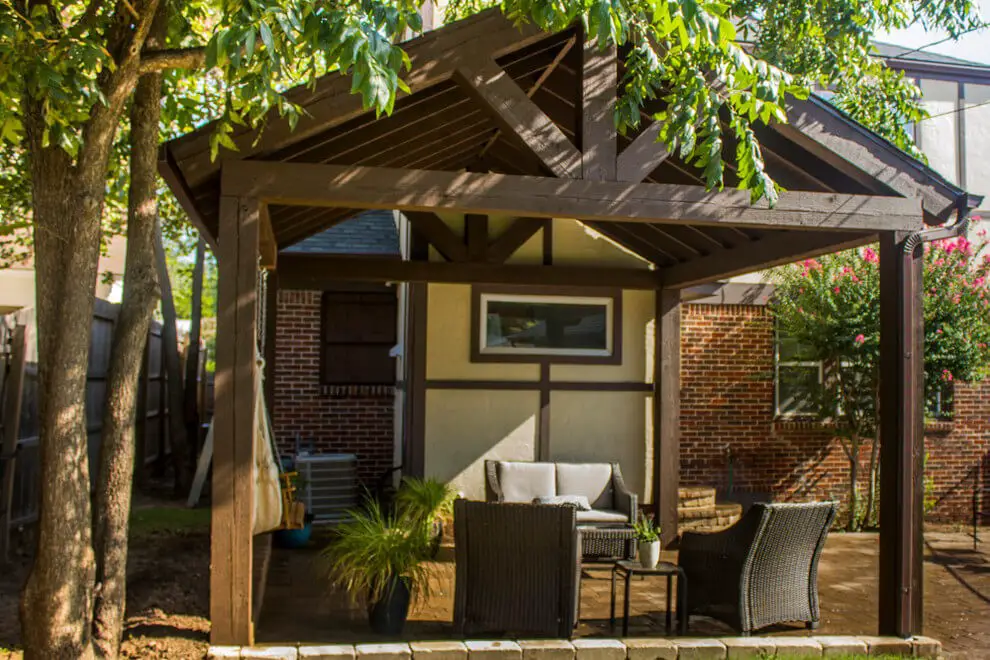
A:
(831, 306)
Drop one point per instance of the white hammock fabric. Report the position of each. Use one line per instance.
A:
(267, 492)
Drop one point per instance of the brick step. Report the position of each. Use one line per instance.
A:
(709, 519)
(695, 498)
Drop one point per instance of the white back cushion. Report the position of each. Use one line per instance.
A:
(524, 481)
(593, 480)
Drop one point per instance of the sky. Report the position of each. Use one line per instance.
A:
(972, 46)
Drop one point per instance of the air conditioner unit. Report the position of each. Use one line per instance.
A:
(330, 486)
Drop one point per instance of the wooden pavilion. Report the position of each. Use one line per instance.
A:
(516, 122)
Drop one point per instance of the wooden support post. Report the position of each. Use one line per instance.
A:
(234, 424)
(901, 436)
(476, 236)
(598, 90)
(667, 412)
(414, 435)
(13, 392)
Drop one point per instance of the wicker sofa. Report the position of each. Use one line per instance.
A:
(518, 569)
(613, 507)
(761, 571)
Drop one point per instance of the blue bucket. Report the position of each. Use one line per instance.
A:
(294, 538)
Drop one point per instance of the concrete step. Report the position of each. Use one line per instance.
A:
(695, 498)
(708, 519)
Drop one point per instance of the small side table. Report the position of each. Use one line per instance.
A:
(664, 568)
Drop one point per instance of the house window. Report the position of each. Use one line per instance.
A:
(798, 378)
(534, 327)
(359, 330)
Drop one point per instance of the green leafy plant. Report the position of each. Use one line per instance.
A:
(647, 530)
(425, 500)
(373, 549)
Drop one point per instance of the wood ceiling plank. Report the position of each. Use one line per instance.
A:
(643, 155)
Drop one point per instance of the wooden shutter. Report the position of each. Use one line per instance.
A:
(358, 331)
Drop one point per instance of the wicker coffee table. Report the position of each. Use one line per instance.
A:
(600, 543)
(665, 569)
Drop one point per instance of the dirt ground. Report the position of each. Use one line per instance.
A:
(168, 597)
(168, 588)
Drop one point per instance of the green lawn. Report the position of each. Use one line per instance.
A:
(156, 520)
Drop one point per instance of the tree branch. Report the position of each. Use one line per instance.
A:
(154, 61)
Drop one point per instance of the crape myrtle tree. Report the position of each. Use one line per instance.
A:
(72, 72)
(828, 310)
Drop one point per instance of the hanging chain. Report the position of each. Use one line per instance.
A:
(262, 308)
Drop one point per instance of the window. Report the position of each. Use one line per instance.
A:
(531, 327)
(798, 379)
(359, 330)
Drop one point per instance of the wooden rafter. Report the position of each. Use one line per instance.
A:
(517, 115)
(434, 57)
(476, 236)
(466, 192)
(771, 251)
(317, 272)
(642, 156)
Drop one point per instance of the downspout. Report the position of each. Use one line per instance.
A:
(955, 230)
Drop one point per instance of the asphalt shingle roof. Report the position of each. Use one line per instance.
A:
(910, 54)
(371, 232)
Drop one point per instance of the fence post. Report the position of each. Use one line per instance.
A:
(13, 391)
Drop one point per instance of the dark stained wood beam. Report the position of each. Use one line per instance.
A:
(235, 424)
(902, 443)
(440, 236)
(598, 90)
(433, 57)
(642, 155)
(268, 246)
(513, 238)
(537, 84)
(476, 236)
(517, 115)
(667, 412)
(775, 250)
(856, 151)
(306, 184)
(319, 272)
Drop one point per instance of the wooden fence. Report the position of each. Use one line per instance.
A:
(19, 506)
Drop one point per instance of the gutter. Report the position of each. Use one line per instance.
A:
(956, 229)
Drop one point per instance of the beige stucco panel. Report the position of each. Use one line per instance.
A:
(575, 244)
(465, 427)
(637, 347)
(602, 426)
(448, 345)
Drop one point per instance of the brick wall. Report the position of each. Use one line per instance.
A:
(728, 417)
(353, 420)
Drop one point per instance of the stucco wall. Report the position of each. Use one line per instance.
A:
(465, 427)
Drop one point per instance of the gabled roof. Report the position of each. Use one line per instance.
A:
(446, 125)
(893, 51)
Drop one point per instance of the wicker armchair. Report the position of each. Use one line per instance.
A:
(518, 569)
(761, 571)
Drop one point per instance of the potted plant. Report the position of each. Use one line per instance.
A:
(381, 557)
(648, 535)
(426, 502)
(293, 537)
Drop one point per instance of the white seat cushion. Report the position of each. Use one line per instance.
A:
(601, 516)
(524, 482)
(593, 480)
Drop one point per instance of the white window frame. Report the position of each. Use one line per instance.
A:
(603, 301)
(777, 364)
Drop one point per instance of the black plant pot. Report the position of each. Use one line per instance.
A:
(388, 615)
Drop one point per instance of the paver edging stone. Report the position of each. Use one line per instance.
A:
(326, 652)
(493, 650)
(270, 652)
(650, 648)
(546, 649)
(689, 648)
(748, 648)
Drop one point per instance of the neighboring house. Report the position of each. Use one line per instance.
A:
(742, 430)
(17, 282)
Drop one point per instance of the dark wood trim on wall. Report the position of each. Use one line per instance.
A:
(414, 437)
(615, 294)
(543, 428)
(536, 385)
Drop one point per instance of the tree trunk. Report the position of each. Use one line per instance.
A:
(179, 443)
(192, 355)
(67, 204)
(113, 499)
(67, 207)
